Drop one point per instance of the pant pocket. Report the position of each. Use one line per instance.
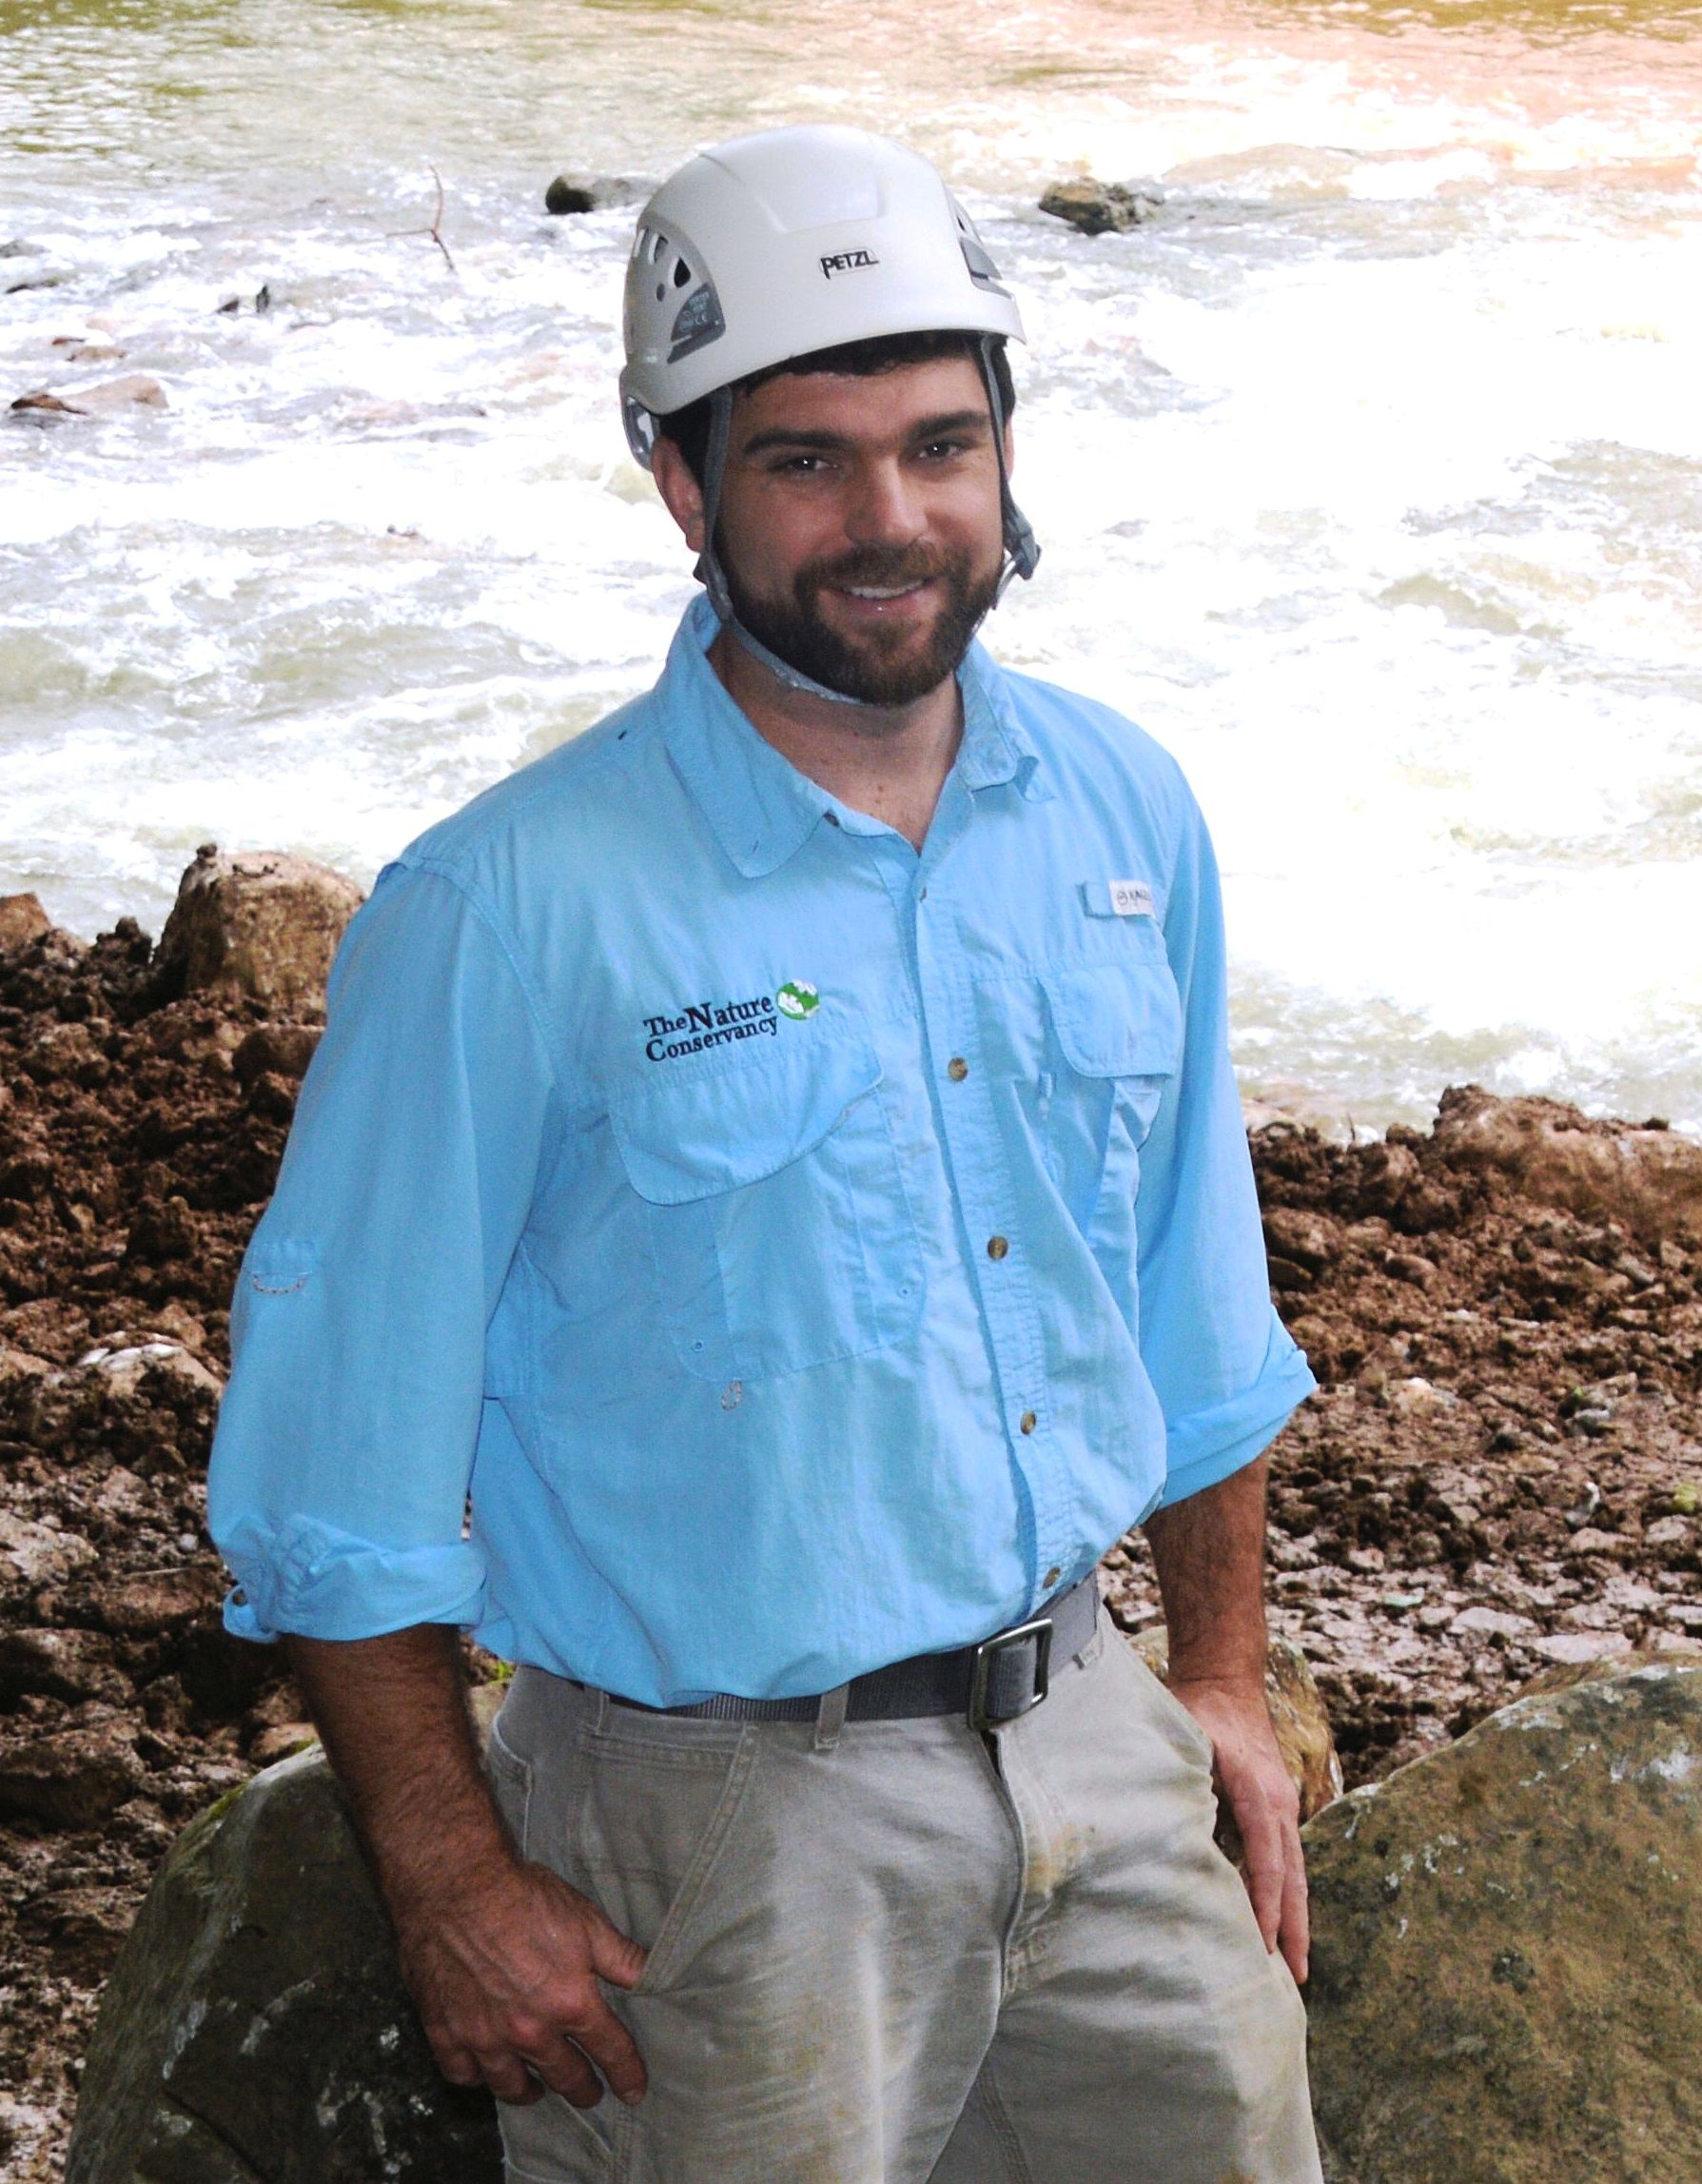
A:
(655, 1806)
(552, 2142)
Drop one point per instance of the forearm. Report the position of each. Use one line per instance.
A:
(393, 1715)
(1210, 1555)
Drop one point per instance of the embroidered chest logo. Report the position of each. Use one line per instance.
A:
(702, 1026)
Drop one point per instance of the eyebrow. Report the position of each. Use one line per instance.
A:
(836, 444)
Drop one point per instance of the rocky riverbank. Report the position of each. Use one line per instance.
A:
(1502, 1472)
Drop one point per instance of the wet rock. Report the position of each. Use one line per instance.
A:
(69, 1778)
(22, 919)
(1648, 1178)
(275, 1049)
(256, 2031)
(134, 391)
(36, 1551)
(260, 925)
(570, 193)
(143, 1401)
(72, 1664)
(1297, 1712)
(1101, 207)
(1501, 1936)
(150, 1601)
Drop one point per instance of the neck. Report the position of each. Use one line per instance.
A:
(888, 761)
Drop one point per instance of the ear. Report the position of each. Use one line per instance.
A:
(680, 491)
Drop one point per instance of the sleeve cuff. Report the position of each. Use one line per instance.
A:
(316, 1581)
(1207, 1445)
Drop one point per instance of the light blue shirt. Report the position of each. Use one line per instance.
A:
(721, 1249)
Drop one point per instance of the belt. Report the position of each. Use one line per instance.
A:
(1002, 1678)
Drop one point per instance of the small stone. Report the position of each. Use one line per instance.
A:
(566, 195)
(1580, 1645)
(1489, 1623)
(1589, 1541)
(275, 1049)
(281, 1742)
(70, 1778)
(1101, 207)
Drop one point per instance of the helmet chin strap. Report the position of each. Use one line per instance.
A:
(1022, 552)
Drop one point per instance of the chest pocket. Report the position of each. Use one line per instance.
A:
(778, 1214)
(1117, 1027)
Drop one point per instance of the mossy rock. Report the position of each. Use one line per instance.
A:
(1507, 1958)
(256, 2030)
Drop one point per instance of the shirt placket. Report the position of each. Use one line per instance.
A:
(979, 1171)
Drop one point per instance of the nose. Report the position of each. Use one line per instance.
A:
(884, 508)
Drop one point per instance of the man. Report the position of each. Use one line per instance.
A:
(779, 1156)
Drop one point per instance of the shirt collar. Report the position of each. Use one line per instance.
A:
(761, 808)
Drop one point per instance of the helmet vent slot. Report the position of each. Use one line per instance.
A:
(682, 274)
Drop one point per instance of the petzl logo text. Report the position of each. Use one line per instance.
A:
(847, 262)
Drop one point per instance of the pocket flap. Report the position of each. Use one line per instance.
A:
(684, 1135)
(1117, 1019)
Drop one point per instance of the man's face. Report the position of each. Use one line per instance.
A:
(860, 526)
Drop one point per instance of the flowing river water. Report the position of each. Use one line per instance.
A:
(1369, 471)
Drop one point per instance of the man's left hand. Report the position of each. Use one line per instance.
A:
(1252, 1781)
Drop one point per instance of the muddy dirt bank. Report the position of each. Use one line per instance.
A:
(1502, 1470)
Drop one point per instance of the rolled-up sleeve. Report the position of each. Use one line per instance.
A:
(1225, 1369)
(345, 1441)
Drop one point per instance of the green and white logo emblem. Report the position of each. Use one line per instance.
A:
(797, 998)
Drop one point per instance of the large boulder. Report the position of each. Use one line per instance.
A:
(260, 925)
(1507, 1955)
(1647, 1177)
(22, 921)
(256, 2030)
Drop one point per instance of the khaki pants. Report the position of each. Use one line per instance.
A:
(897, 1956)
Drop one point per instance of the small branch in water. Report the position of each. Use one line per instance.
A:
(435, 230)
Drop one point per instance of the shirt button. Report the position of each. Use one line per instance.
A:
(1028, 1422)
(1052, 1577)
(957, 1069)
(997, 1247)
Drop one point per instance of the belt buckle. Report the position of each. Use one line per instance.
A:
(988, 1652)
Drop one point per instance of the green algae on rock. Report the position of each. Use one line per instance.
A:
(256, 2029)
(1507, 1959)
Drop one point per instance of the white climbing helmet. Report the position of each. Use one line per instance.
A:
(778, 245)
(781, 244)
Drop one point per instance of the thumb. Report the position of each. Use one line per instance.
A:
(613, 1956)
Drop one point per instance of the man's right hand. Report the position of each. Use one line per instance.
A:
(504, 1971)
(501, 1956)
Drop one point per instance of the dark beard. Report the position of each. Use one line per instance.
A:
(881, 669)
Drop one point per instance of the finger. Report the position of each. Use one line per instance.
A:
(606, 2040)
(1261, 1839)
(614, 1956)
(457, 2064)
(1297, 1915)
(508, 2077)
(565, 2071)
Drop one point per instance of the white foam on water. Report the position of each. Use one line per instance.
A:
(1369, 474)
